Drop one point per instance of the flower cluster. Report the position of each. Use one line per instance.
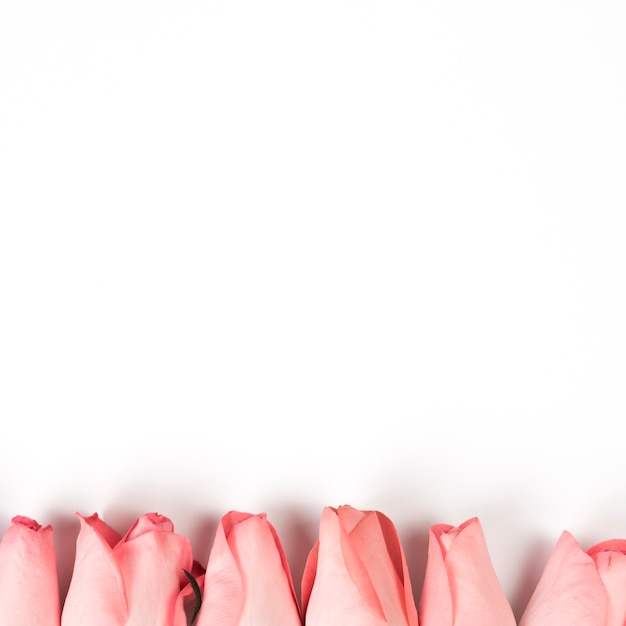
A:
(355, 575)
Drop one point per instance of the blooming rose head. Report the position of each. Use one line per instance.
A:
(135, 580)
(460, 584)
(247, 578)
(29, 590)
(580, 588)
(356, 574)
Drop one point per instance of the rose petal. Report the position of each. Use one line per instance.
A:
(610, 559)
(474, 593)
(152, 559)
(308, 576)
(96, 596)
(569, 591)
(356, 574)
(248, 579)
(376, 541)
(436, 606)
(133, 581)
(29, 590)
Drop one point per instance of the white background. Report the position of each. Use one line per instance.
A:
(272, 256)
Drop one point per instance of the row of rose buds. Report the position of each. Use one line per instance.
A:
(356, 575)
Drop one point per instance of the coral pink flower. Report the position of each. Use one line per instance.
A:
(131, 581)
(580, 588)
(247, 579)
(610, 560)
(29, 590)
(460, 584)
(356, 574)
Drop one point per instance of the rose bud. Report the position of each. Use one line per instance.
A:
(580, 588)
(131, 581)
(356, 574)
(460, 584)
(29, 589)
(247, 579)
(609, 558)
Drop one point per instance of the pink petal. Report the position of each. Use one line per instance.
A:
(308, 576)
(247, 579)
(356, 575)
(149, 523)
(133, 581)
(349, 517)
(104, 530)
(570, 590)
(436, 608)
(29, 591)
(610, 559)
(376, 541)
(475, 594)
(285, 564)
(151, 558)
(96, 595)
(223, 588)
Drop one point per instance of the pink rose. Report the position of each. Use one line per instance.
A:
(29, 589)
(247, 579)
(580, 588)
(131, 581)
(356, 574)
(460, 584)
(610, 560)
